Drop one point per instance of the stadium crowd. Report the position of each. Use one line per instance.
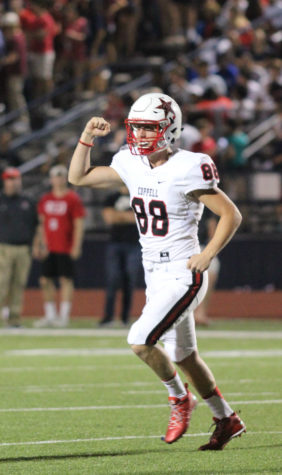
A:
(234, 83)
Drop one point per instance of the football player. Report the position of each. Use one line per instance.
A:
(168, 190)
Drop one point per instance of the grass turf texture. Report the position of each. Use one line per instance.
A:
(105, 414)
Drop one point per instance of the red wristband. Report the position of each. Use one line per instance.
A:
(86, 144)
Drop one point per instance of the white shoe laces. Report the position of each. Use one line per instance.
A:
(177, 415)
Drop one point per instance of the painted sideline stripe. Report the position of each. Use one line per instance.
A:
(89, 332)
(125, 437)
(137, 406)
(127, 351)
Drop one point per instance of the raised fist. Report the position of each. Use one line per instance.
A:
(97, 127)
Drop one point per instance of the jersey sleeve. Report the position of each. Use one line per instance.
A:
(118, 164)
(202, 176)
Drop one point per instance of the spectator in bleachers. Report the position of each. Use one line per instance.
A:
(207, 80)
(272, 13)
(180, 88)
(238, 140)
(14, 68)
(254, 9)
(260, 48)
(275, 80)
(208, 26)
(94, 13)
(244, 107)
(74, 53)
(186, 15)
(256, 93)
(240, 27)
(40, 29)
(228, 70)
(190, 135)
(206, 144)
(216, 107)
(8, 157)
(122, 18)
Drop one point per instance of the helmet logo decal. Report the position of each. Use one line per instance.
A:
(166, 106)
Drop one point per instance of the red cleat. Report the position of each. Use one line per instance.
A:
(181, 410)
(225, 430)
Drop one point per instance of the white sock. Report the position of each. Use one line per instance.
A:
(5, 313)
(217, 404)
(65, 308)
(175, 386)
(50, 311)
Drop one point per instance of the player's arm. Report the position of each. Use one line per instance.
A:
(80, 171)
(229, 220)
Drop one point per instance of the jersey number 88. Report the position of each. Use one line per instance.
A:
(157, 209)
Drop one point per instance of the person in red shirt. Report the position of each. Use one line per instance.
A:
(74, 52)
(40, 29)
(206, 144)
(61, 214)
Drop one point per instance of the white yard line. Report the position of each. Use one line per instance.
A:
(138, 384)
(71, 352)
(16, 369)
(74, 387)
(90, 332)
(128, 352)
(125, 437)
(123, 407)
(159, 391)
(241, 353)
(111, 366)
(143, 385)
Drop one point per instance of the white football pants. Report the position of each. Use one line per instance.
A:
(172, 293)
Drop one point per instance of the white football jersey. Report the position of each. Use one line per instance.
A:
(167, 216)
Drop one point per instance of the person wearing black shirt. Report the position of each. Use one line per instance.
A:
(206, 231)
(18, 225)
(123, 257)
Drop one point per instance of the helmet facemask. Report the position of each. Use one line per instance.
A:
(146, 145)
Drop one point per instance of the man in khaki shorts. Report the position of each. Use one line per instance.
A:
(18, 224)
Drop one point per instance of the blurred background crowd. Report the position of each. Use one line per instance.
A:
(63, 61)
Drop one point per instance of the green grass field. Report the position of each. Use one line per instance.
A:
(78, 402)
